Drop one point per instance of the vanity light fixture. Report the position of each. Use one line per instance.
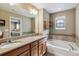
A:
(33, 11)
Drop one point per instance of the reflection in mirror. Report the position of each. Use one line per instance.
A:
(28, 26)
(15, 26)
(18, 21)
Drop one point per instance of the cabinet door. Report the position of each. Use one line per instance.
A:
(44, 48)
(34, 51)
(26, 53)
(40, 49)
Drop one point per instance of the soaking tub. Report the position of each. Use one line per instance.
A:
(62, 48)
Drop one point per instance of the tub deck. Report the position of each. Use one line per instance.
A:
(63, 48)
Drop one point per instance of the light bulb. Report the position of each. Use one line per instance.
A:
(31, 11)
(35, 12)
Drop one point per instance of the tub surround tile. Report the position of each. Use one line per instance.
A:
(63, 37)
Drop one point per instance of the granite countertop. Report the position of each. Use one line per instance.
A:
(19, 43)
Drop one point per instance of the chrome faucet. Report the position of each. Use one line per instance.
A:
(7, 36)
(9, 40)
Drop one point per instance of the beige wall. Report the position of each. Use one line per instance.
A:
(6, 16)
(40, 21)
(37, 23)
(43, 16)
(69, 22)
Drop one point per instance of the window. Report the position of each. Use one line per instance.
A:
(59, 22)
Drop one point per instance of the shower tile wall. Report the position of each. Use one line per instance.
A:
(62, 37)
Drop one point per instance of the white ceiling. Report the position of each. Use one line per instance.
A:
(55, 7)
(15, 9)
(50, 7)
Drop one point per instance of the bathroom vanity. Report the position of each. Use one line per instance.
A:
(21, 30)
(29, 46)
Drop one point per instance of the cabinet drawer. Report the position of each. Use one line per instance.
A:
(44, 48)
(40, 50)
(34, 51)
(17, 51)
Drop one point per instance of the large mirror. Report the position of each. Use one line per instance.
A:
(19, 21)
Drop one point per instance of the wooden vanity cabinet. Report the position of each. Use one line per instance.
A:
(42, 47)
(36, 48)
(34, 51)
(24, 50)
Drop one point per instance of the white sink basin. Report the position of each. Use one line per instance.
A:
(10, 45)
